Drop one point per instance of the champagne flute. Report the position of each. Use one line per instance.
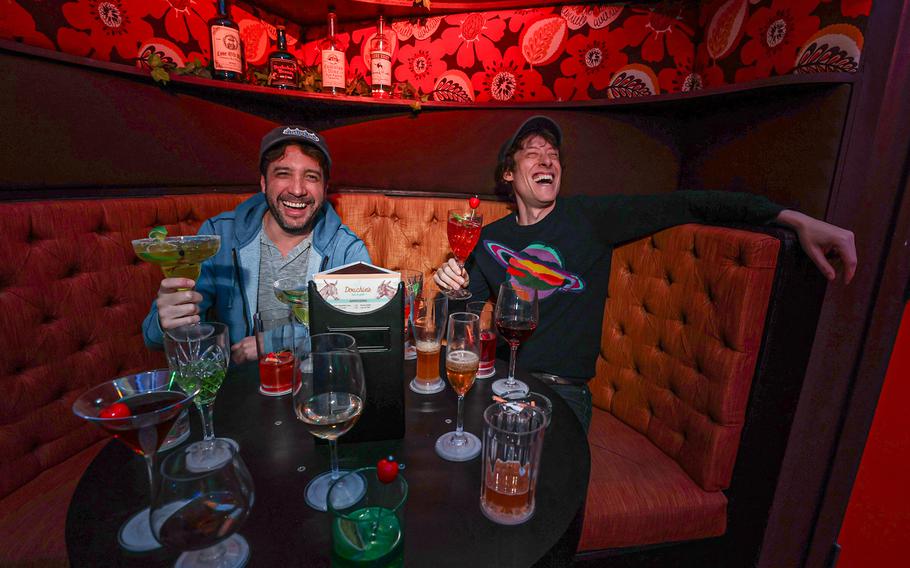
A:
(198, 356)
(462, 360)
(199, 509)
(329, 390)
(138, 410)
(463, 230)
(516, 319)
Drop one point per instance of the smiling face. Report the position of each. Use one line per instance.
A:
(294, 187)
(537, 173)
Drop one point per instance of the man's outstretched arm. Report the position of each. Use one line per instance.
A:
(824, 244)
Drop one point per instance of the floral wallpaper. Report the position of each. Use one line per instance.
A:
(577, 52)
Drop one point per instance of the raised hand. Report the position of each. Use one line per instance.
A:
(178, 303)
(450, 276)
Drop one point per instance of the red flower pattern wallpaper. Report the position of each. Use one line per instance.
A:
(577, 52)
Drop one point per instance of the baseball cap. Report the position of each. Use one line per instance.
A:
(535, 123)
(298, 134)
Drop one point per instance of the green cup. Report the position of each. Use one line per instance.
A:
(367, 520)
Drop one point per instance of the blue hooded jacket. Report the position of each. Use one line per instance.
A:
(230, 279)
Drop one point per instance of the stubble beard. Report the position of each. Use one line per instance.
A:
(279, 220)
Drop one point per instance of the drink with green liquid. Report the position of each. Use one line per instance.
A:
(370, 536)
(206, 375)
(293, 291)
(178, 257)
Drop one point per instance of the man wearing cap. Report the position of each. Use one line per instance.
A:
(563, 247)
(287, 230)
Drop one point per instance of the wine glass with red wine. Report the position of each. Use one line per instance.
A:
(198, 507)
(138, 410)
(516, 319)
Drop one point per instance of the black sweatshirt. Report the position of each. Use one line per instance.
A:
(567, 255)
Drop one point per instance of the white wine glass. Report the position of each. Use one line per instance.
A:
(462, 361)
(329, 392)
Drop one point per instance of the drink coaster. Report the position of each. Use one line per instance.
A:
(136, 534)
(419, 387)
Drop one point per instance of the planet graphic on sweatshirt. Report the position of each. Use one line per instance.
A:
(537, 267)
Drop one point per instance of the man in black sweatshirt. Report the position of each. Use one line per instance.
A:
(563, 248)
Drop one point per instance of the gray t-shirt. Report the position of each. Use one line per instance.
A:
(273, 266)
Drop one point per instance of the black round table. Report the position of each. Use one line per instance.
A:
(443, 522)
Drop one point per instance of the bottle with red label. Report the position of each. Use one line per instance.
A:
(332, 61)
(283, 70)
(381, 63)
(227, 49)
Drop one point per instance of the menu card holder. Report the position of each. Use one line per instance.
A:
(380, 339)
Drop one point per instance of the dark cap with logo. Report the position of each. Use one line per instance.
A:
(299, 134)
(536, 123)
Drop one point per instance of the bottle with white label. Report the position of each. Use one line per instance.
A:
(227, 49)
(381, 63)
(332, 62)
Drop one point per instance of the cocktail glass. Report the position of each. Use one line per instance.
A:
(487, 338)
(413, 285)
(198, 357)
(329, 391)
(292, 290)
(138, 410)
(367, 519)
(516, 319)
(463, 230)
(428, 319)
(462, 360)
(199, 509)
(178, 257)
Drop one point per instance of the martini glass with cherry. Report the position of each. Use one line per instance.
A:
(138, 410)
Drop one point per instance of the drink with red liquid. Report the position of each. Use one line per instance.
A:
(463, 232)
(515, 331)
(276, 371)
(487, 354)
(153, 430)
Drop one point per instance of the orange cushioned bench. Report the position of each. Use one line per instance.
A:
(684, 334)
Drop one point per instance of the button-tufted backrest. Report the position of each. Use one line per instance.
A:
(682, 328)
(72, 296)
(406, 232)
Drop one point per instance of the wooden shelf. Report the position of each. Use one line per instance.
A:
(327, 111)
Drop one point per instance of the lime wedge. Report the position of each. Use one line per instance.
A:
(159, 233)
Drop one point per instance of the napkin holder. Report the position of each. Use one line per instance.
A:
(380, 340)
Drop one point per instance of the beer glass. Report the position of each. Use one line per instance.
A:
(413, 285)
(429, 322)
(512, 443)
(462, 360)
(487, 367)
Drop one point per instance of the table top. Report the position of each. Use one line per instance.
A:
(444, 525)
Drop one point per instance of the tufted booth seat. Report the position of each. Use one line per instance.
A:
(684, 331)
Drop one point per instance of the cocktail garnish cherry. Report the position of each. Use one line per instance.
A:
(387, 469)
(116, 410)
(474, 202)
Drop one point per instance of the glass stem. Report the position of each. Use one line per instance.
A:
(513, 355)
(333, 458)
(459, 423)
(208, 424)
(150, 466)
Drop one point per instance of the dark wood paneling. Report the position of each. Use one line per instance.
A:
(69, 127)
(780, 142)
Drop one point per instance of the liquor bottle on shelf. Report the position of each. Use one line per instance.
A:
(227, 49)
(332, 62)
(381, 63)
(283, 70)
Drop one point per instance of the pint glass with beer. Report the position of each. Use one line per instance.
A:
(429, 317)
